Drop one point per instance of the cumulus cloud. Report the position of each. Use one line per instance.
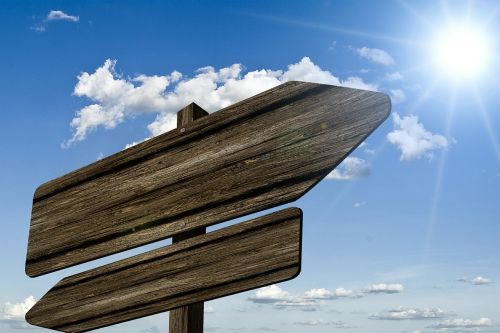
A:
(402, 313)
(397, 96)
(376, 55)
(281, 299)
(358, 83)
(54, 15)
(462, 325)
(478, 280)
(13, 314)
(270, 294)
(413, 140)
(115, 98)
(350, 168)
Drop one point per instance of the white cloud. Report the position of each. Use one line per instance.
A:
(59, 15)
(376, 55)
(320, 293)
(461, 325)
(297, 303)
(54, 15)
(395, 76)
(321, 322)
(403, 313)
(115, 98)
(413, 140)
(270, 294)
(306, 70)
(342, 292)
(383, 288)
(359, 204)
(481, 280)
(323, 293)
(478, 280)
(358, 83)
(282, 299)
(208, 309)
(397, 96)
(312, 299)
(13, 314)
(17, 310)
(350, 168)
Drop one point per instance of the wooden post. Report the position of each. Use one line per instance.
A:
(188, 319)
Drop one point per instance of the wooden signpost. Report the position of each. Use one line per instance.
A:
(259, 153)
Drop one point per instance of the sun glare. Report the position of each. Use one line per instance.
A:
(462, 52)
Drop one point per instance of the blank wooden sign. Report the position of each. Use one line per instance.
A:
(259, 153)
(233, 259)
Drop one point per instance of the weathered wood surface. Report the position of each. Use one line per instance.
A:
(259, 153)
(189, 318)
(248, 255)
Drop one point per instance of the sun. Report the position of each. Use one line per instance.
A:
(462, 51)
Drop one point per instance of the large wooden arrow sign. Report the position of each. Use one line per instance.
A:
(262, 152)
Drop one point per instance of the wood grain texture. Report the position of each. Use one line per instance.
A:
(262, 152)
(189, 318)
(244, 256)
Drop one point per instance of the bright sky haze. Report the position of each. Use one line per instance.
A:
(403, 237)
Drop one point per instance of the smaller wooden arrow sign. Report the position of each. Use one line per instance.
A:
(248, 255)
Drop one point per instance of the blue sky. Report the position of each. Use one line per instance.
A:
(403, 237)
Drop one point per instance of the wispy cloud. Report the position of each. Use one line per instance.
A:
(115, 98)
(59, 15)
(382, 288)
(359, 204)
(375, 55)
(323, 293)
(477, 281)
(312, 299)
(208, 309)
(402, 313)
(321, 322)
(54, 15)
(462, 325)
(397, 96)
(394, 76)
(152, 329)
(413, 140)
(350, 168)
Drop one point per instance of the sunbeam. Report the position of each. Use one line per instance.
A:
(487, 124)
(493, 15)
(436, 194)
(424, 96)
(325, 27)
(416, 14)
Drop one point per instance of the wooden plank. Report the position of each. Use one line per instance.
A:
(259, 153)
(248, 255)
(188, 319)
